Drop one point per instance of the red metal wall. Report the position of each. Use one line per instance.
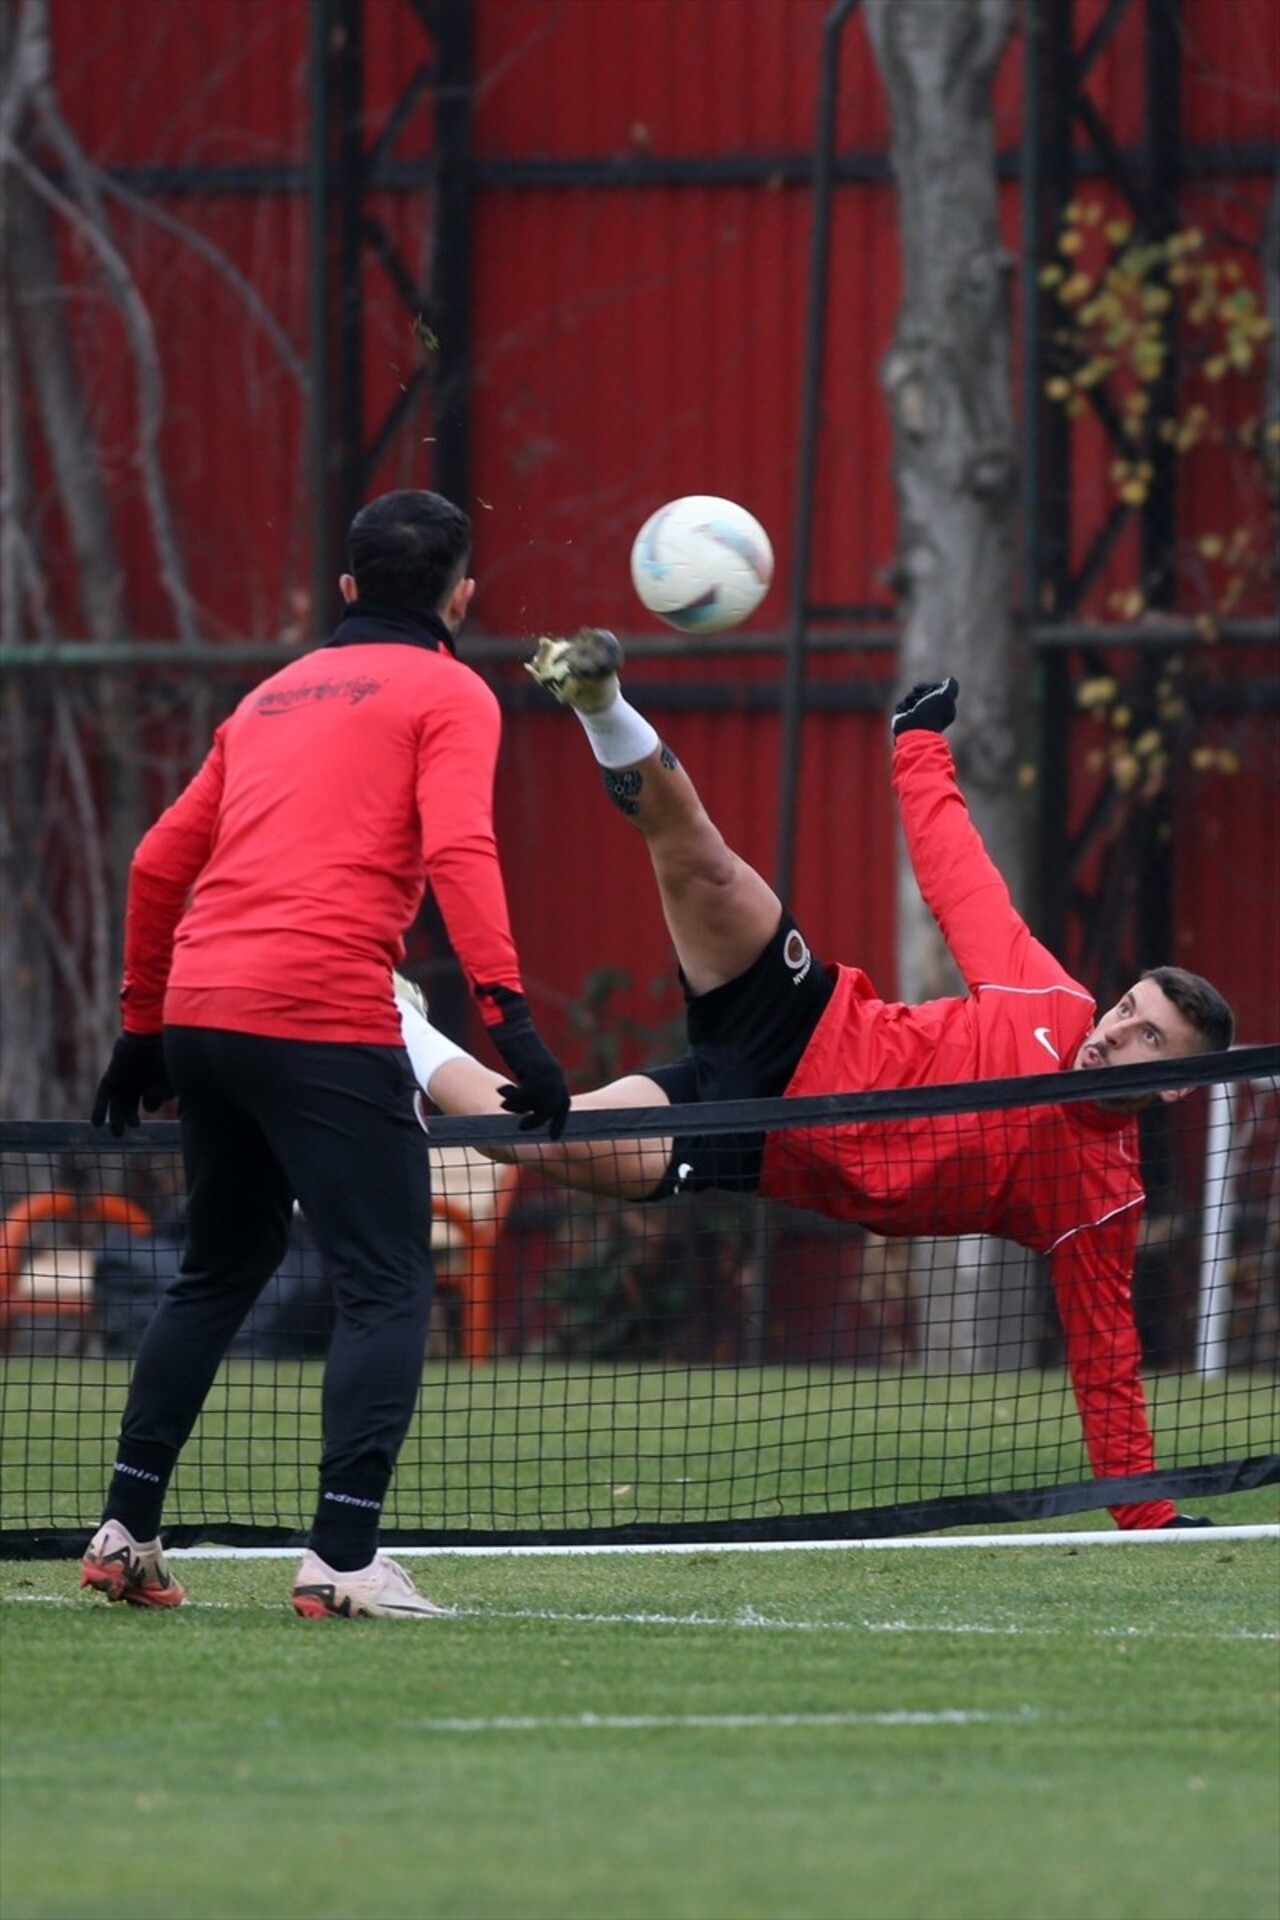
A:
(627, 345)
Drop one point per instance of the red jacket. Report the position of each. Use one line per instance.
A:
(1063, 1181)
(303, 844)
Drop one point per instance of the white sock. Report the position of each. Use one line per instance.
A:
(619, 736)
(427, 1047)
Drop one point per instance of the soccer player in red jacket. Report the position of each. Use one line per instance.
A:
(265, 915)
(765, 1018)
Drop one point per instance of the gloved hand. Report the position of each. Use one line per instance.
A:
(931, 705)
(541, 1091)
(136, 1071)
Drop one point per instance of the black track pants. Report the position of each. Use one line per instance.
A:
(265, 1122)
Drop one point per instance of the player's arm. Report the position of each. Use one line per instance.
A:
(961, 884)
(165, 865)
(1092, 1274)
(456, 769)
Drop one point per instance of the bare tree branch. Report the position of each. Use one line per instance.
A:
(87, 215)
(256, 307)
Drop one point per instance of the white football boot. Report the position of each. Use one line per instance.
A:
(122, 1568)
(380, 1591)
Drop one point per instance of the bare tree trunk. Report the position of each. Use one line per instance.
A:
(947, 377)
(50, 363)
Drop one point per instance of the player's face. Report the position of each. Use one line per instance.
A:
(1144, 1027)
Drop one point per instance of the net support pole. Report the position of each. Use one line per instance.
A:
(1215, 1279)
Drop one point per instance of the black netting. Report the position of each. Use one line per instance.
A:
(711, 1366)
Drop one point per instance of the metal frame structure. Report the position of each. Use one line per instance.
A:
(1126, 917)
(1121, 919)
(344, 175)
(423, 145)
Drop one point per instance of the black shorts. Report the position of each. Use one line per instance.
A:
(745, 1042)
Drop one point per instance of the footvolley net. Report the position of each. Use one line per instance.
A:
(713, 1367)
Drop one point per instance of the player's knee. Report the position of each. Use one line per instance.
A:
(701, 864)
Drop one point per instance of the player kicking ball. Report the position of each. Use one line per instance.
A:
(766, 1018)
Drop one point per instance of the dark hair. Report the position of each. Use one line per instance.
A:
(1199, 1003)
(409, 549)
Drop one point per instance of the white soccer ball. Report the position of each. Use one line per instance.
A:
(701, 563)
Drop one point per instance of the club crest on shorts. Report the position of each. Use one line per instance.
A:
(796, 955)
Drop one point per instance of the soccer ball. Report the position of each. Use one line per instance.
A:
(701, 563)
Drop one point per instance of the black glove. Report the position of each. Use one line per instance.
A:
(136, 1071)
(541, 1091)
(931, 705)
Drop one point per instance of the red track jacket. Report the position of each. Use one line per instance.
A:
(1063, 1181)
(272, 896)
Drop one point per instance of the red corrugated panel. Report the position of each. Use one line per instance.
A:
(628, 345)
(565, 78)
(637, 347)
(146, 83)
(151, 82)
(1227, 892)
(1230, 71)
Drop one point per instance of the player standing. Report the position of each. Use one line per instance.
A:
(265, 914)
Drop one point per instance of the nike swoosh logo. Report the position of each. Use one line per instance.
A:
(1042, 1035)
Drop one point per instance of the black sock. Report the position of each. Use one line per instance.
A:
(345, 1530)
(139, 1483)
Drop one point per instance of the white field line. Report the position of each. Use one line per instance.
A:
(747, 1618)
(1148, 1537)
(735, 1722)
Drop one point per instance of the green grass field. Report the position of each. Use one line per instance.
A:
(1075, 1732)
(546, 1445)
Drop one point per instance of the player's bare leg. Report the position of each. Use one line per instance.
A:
(457, 1083)
(720, 912)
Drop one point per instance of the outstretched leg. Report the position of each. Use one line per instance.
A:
(457, 1083)
(719, 911)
